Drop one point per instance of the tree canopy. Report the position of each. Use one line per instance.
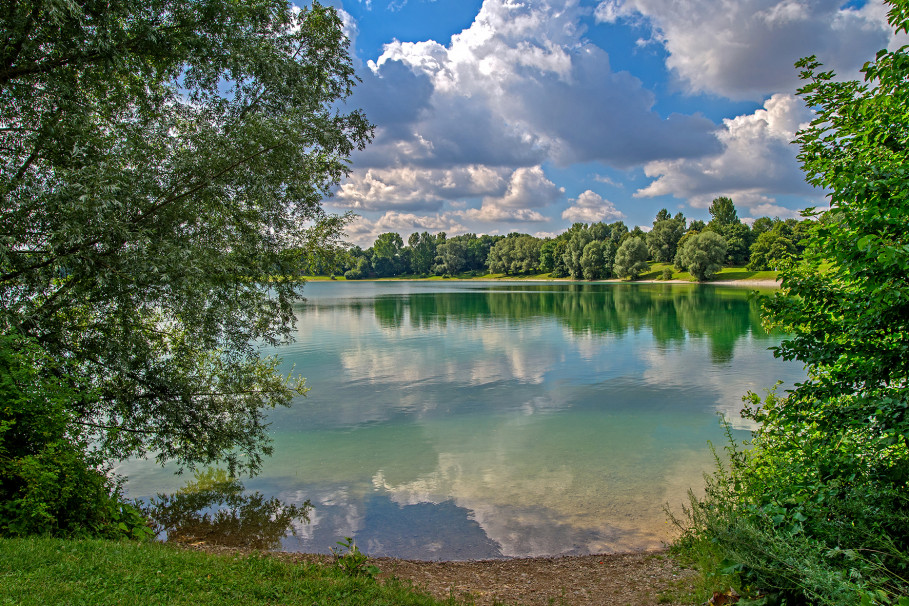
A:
(160, 161)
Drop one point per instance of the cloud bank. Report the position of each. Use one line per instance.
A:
(508, 124)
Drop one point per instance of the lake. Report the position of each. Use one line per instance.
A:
(465, 420)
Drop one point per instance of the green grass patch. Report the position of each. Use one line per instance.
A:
(51, 571)
(740, 273)
(727, 274)
(323, 278)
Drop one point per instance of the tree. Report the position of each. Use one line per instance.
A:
(816, 509)
(762, 224)
(593, 260)
(618, 232)
(637, 232)
(423, 252)
(359, 270)
(770, 248)
(631, 258)
(515, 254)
(723, 212)
(702, 255)
(738, 243)
(574, 249)
(451, 257)
(161, 163)
(663, 239)
(696, 225)
(388, 251)
(726, 223)
(663, 215)
(552, 257)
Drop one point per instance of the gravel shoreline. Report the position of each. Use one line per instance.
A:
(616, 579)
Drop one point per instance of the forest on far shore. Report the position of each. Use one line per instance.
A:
(590, 252)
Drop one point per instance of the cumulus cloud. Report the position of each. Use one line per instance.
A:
(394, 97)
(590, 207)
(411, 188)
(757, 161)
(363, 231)
(528, 189)
(520, 86)
(745, 49)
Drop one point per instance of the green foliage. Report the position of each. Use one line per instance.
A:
(597, 259)
(663, 239)
(452, 257)
(578, 238)
(818, 510)
(423, 251)
(631, 259)
(49, 483)
(37, 572)
(723, 213)
(162, 161)
(353, 562)
(769, 250)
(726, 223)
(518, 254)
(359, 271)
(702, 254)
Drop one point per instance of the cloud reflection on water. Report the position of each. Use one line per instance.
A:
(452, 421)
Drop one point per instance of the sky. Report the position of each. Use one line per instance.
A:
(494, 116)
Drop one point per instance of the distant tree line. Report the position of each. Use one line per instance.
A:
(583, 252)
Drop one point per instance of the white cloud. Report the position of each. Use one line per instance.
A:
(363, 231)
(414, 188)
(591, 207)
(528, 188)
(774, 210)
(519, 86)
(607, 181)
(745, 49)
(757, 161)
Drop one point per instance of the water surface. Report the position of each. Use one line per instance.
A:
(462, 420)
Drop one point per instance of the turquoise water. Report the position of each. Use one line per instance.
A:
(462, 420)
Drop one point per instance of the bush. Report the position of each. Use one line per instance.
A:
(817, 511)
(49, 483)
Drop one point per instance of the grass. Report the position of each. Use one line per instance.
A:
(727, 274)
(95, 572)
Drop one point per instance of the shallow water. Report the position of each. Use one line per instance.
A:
(462, 420)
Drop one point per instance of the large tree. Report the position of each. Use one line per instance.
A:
(663, 240)
(702, 255)
(631, 258)
(162, 164)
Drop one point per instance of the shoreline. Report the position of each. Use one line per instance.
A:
(755, 283)
(611, 579)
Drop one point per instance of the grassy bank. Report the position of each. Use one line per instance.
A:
(727, 274)
(52, 571)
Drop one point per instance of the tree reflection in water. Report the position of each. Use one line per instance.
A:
(214, 510)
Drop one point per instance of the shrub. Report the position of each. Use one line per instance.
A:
(49, 482)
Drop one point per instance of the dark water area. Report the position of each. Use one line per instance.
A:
(463, 420)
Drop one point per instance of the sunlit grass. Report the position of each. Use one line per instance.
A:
(51, 571)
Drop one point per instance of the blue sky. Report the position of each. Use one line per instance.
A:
(529, 115)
